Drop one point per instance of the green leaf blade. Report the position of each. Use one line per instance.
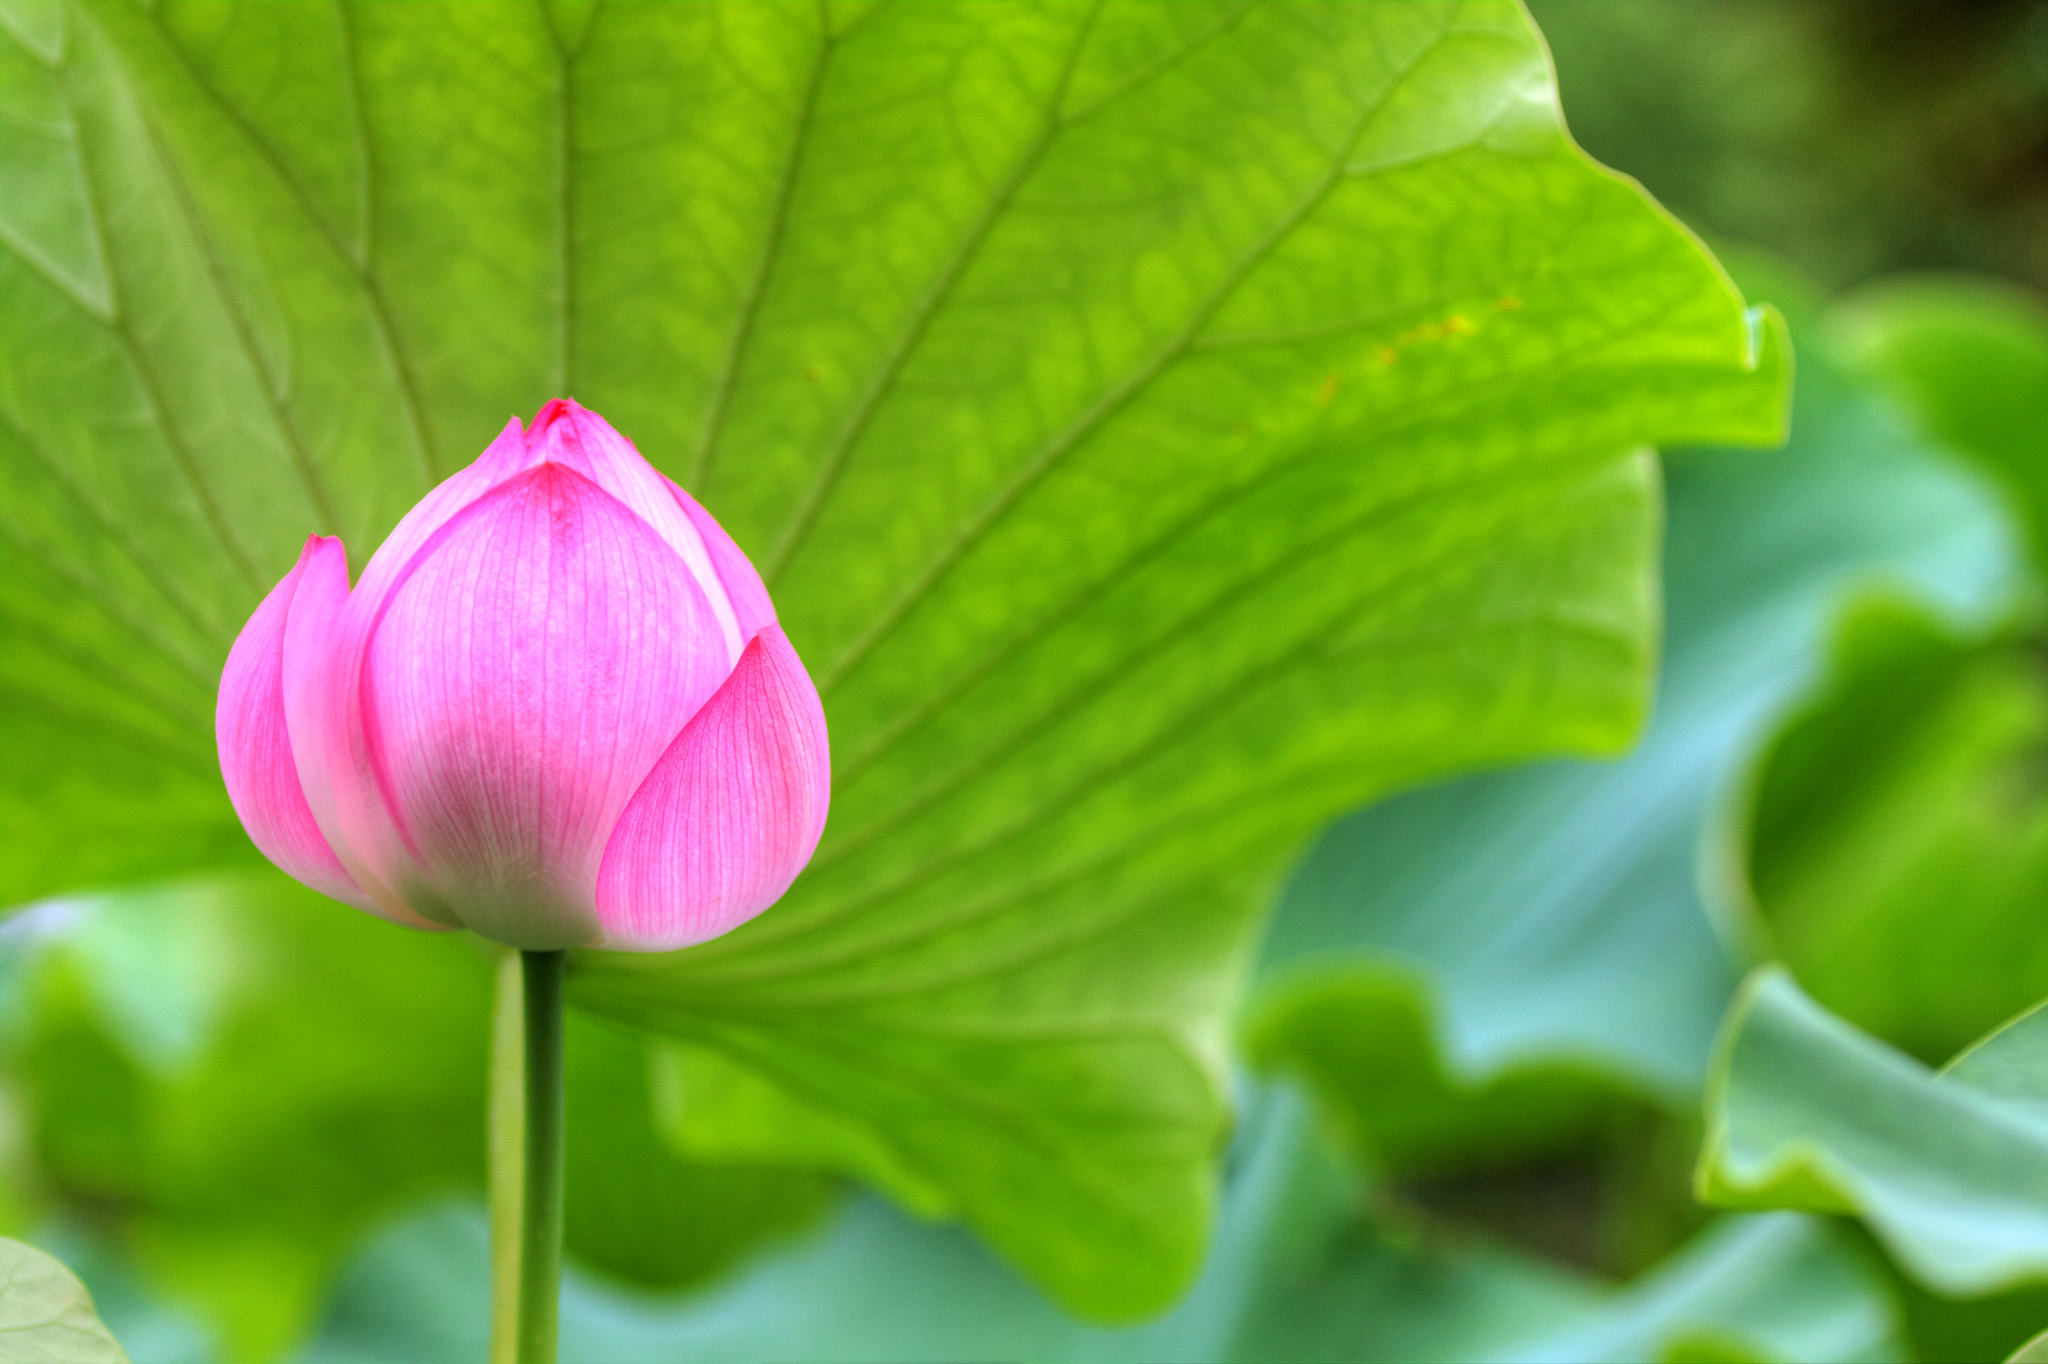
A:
(1803, 1111)
(1165, 425)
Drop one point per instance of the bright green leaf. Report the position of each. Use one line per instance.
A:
(2034, 1351)
(1804, 1111)
(46, 1315)
(1163, 426)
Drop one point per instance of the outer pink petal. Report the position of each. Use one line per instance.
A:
(523, 678)
(323, 663)
(567, 433)
(256, 749)
(730, 814)
(742, 584)
(342, 800)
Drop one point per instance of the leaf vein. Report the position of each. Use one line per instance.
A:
(840, 451)
(757, 288)
(358, 266)
(1108, 406)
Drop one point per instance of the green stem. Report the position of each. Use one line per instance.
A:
(526, 1157)
(507, 1155)
(540, 1239)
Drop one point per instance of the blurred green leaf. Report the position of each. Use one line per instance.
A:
(633, 1208)
(2007, 1061)
(1371, 1038)
(2034, 1351)
(1748, 1288)
(46, 1315)
(1804, 1111)
(1471, 971)
(334, 1074)
(1162, 425)
(237, 1081)
(1294, 1274)
(1855, 137)
(1899, 831)
(1982, 1329)
(1969, 357)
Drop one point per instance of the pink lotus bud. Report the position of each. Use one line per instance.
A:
(556, 710)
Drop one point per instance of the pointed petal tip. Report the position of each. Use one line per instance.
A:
(577, 423)
(320, 547)
(551, 411)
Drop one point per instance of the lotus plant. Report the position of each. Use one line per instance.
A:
(556, 710)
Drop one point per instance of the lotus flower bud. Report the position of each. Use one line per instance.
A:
(556, 710)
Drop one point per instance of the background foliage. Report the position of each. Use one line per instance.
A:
(1165, 427)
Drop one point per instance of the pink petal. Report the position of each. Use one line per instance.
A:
(343, 803)
(256, 749)
(566, 433)
(729, 815)
(519, 683)
(742, 584)
(323, 660)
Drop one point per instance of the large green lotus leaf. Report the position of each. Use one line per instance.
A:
(1898, 834)
(1969, 357)
(1483, 965)
(1294, 1274)
(248, 1079)
(46, 1315)
(1163, 425)
(1950, 1171)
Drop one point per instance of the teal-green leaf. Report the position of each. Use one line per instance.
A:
(2006, 1062)
(1370, 1036)
(1163, 425)
(1968, 357)
(46, 1315)
(1295, 1273)
(1804, 1111)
